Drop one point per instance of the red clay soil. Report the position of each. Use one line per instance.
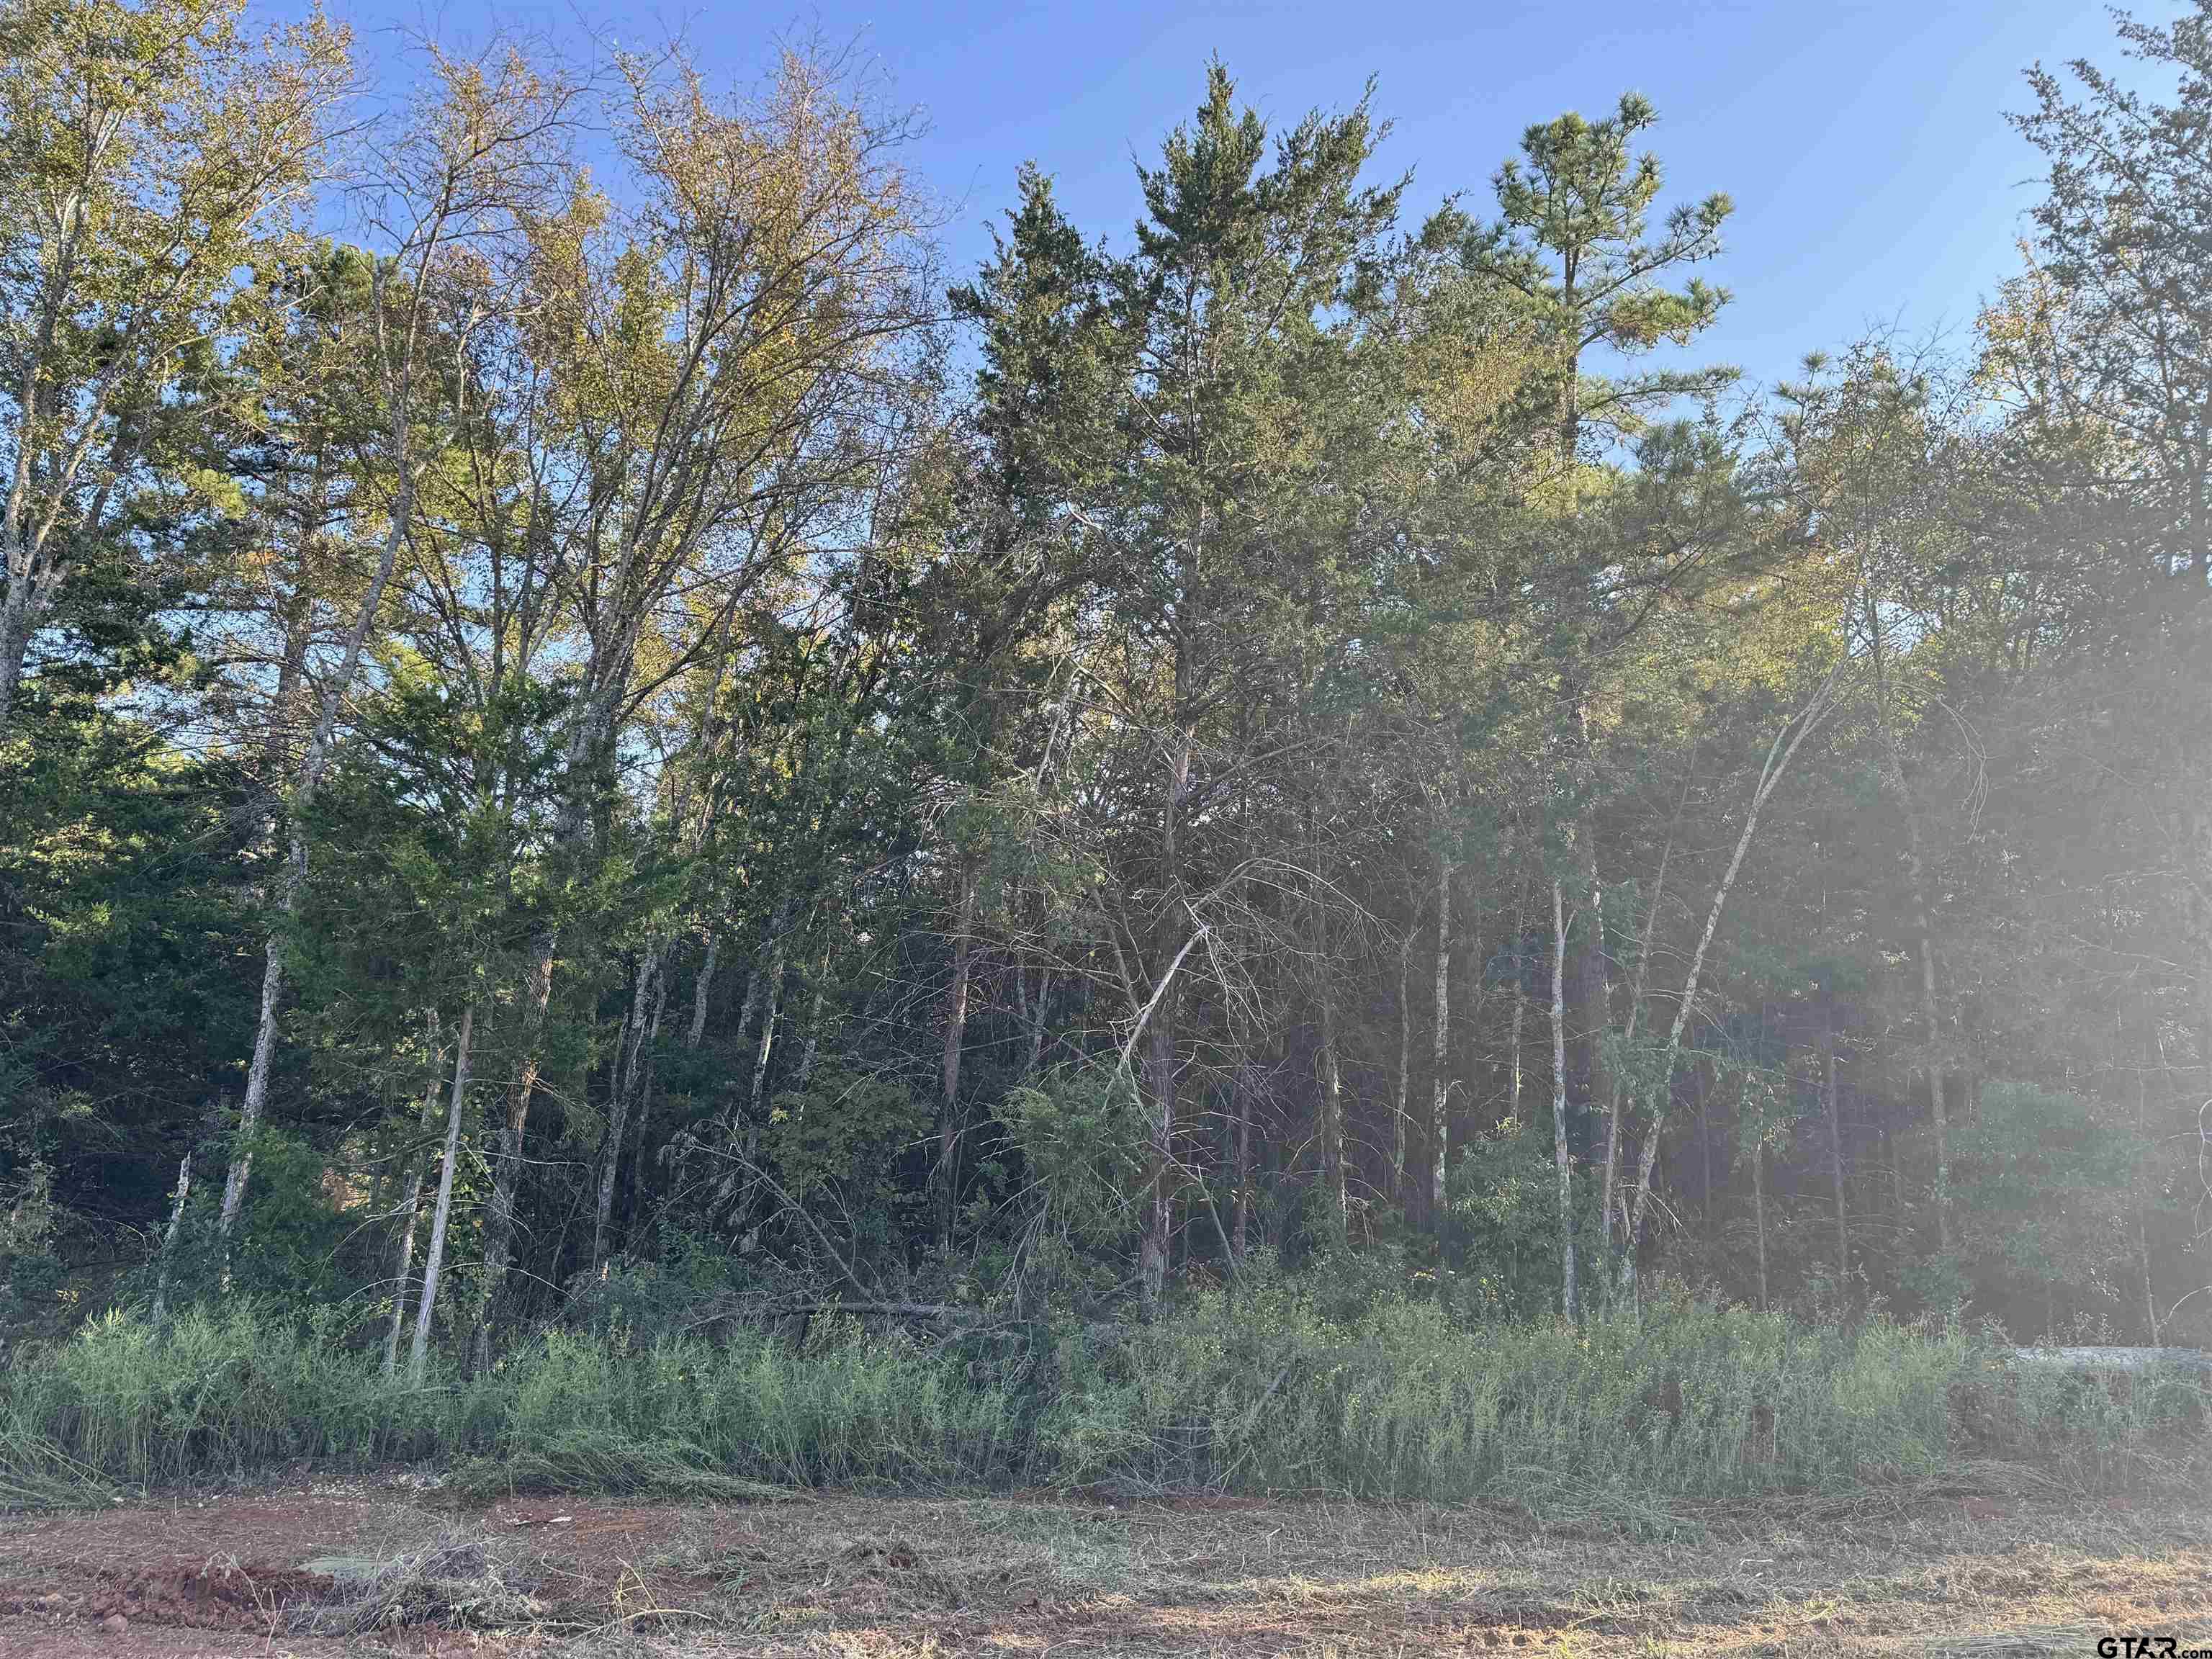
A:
(191, 1564)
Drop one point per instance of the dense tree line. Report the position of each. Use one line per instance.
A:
(611, 733)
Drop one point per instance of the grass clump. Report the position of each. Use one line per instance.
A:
(458, 1579)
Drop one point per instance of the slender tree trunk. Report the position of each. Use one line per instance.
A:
(433, 1262)
(627, 1086)
(1636, 988)
(773, 996)
(813, 1024)
(1836, 1142)
(1405, 1072)
(1171, 942)
(699, 989)
(1332, 1115)
(1513, 1042)
(955, 1033)
(1240, 1101)
(640, 1140)
(1937, 1108)
(403, 1260)
(1592, 990)
(1440, 1089)
(1567, 1302)
(756, 984)
(290, 672)
(507, 1164)
(16, 624)
(756, 989)
(1758, 1210)
(265, 1050)
(1158, 1221)
(176, 1226)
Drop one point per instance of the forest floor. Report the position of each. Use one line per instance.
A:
(385, 1566)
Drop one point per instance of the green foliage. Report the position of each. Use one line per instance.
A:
(1504, 1195)
(1077, 1130)
(291, 1256)
(840, 1139)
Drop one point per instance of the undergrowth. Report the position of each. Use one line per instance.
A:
(1260, 1388)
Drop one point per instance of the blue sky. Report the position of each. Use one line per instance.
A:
(1875, 179)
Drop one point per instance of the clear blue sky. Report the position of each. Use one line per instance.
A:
(1875, 179)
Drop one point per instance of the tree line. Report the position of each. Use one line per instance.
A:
(577, 723)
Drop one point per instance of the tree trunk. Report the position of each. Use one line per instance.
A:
(1332, 1113)
(1591, 989)
(403, 1261)
(1241, 1102)
(627, 1086)
(433, 1262)
(1937, 1108)
(1513, 1040)
(1559, 1103)
(169, 1240)
(1405, 1072)
(699, 989)
(955, 1033)
(1440, 1082)
(1758, 1208)
(773, 997)
(1171, 942)
(1635, 988)
(507, 1164)
(640, 1141)
(15, 628)
(1159, 1071)
(1835, 1144)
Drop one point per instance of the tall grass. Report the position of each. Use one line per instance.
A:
(1266, 1389)
(228, 1392)
(1691, 1401)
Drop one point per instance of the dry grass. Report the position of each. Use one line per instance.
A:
(847, 1577)
(460, 1577)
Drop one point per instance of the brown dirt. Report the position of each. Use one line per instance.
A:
(864, 1577)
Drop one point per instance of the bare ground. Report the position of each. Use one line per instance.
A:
(384, 1567)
